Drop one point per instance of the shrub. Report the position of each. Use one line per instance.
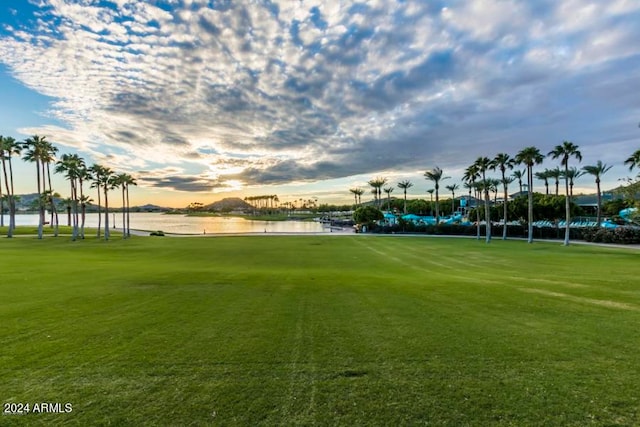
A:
(157, 233)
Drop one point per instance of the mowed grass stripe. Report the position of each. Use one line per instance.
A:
(319, 330)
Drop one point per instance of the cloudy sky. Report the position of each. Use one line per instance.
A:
(205, 99)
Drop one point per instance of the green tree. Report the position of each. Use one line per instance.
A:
(597, 171)
(367, 215)
(564, 152)
(529, 156)
(436, 175)
(8, 148)
(96, 172)
(404, 186)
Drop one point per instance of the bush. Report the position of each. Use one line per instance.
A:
(157, 233)
(621, 235)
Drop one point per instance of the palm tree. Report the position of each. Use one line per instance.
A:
(389, 190)
(377, 185)
(108, 182)
(565, 151)
(8, 147)
(597, 171)
(132, 181)
(529, 156)
(633, 160)
(96, 172)
(35, 147)
(471, 175)
(519, 174)
(574, 173)
(483, 164)
(430, 191)
(354, 191)
(503, 162)
(70, 163)
(405, 185)
(453, 189)
(49, 156)
(556, 174)
(123, 180)
(436, 175)
(544, 176)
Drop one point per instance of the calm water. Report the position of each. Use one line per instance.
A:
(189, 225)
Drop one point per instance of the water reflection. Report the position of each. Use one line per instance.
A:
(189, 225)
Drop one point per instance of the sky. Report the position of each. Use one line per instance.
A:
(206, 99)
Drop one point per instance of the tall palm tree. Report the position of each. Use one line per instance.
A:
(471, 175)
(388, 190)
(50, 156)
(503, 161)
(354, 191)
(123, 180)
(556, 174)
(119, 181)
(377, 185)
(430, 191)
(9, 147)
(436, 175)
(453, 189)
(70, 164)
(404, 186)
(35, 151)
(96, 172)
(597, 171)
(633, 160)
(483, 164)
(519, 174)
(564, 152)
(132, 181)
(529, 156)
(544, 176)
(108, 182)
(574, 173)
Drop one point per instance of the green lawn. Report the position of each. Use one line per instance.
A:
(350, 330)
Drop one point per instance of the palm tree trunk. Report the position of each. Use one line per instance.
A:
(504, 212)
(6, 185)
(83, 208)
(54, 210)
(567, 205)
(128, 218)
(106, 213)
(40, 205)
(530, 203)
(74, 202)
(99, 213)
(12, 203)
(124, 218)
(437, 208)
(599, 215)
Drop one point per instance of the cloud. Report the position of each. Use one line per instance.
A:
(271, 92)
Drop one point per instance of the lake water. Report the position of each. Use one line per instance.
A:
(188, 224)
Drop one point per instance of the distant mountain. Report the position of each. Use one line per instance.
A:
(149, 208)
(229, 204)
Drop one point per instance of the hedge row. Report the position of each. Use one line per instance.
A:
(622, 235)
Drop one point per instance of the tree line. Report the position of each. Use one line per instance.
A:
(39, 151)
(477, 182)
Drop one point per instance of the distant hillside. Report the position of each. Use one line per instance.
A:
(228, 204)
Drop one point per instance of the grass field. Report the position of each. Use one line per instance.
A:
(350, 330)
